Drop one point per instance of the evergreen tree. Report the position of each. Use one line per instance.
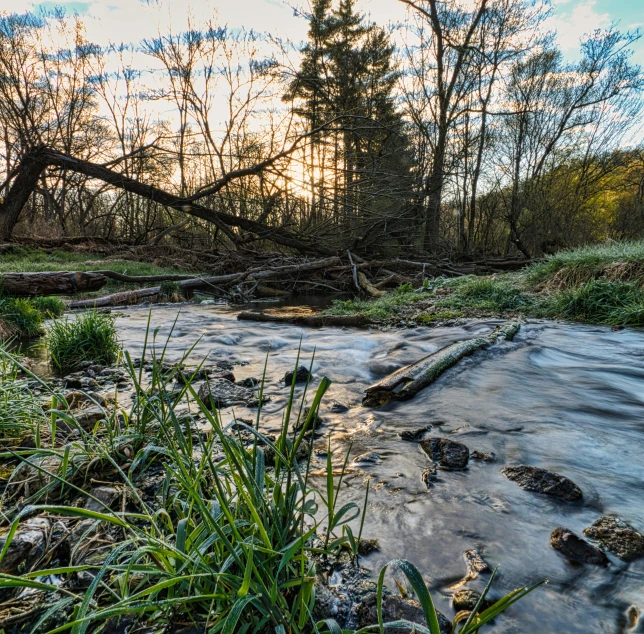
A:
(347, 76)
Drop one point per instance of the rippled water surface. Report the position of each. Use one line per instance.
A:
(564, 397)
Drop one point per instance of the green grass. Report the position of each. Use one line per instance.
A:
(229, 542)
(90, 336)
(623, 261)
(24, 317)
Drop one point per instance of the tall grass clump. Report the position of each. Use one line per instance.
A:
(24, 317)
(485, 293)
(90, 336)
(602, 302)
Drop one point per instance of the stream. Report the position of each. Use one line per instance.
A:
(564, 397)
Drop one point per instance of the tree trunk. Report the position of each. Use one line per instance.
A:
(54, 283)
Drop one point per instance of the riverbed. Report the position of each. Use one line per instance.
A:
(564, 397)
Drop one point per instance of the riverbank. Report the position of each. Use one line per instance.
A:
(597, 285)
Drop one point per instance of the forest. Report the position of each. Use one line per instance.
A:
(462, 131)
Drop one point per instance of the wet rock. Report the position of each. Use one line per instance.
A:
(316, 423)
(368, 546)
(106, 495)
(193, 375)
(466, 599)
(77, 382)
(429, 476)
(449, 454)
(394, 609)
(249, 382)
(475, 563)
(76, 399)
(28, 544)
(302, 375)
(33, 475)
(218, 393)
(617, 536)
(414, 435)
(367, 458)
(480, 455)
(575, 548)
(543, 481)
(339, 408)
(88, 417)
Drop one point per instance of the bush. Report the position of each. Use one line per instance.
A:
(91, 336)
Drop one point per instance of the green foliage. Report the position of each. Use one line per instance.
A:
(91, 336)
(22, 316)
(602, 302)
(485, 293)
(586, 263)
(51, 307)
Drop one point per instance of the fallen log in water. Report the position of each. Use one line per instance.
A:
(50, 283)
(408, 381)
(313, 320)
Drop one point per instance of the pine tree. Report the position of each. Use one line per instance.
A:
(347, 76)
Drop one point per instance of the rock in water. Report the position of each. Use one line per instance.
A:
(302, 375)
(429, 476)
(543, 481)
(617, 536)
(218, 393)
(475, 563)
(395, 609)
(449, 454)
(575, 548)
(466, 599)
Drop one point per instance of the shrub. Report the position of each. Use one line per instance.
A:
(91, 336)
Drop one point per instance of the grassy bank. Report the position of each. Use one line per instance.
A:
(23, 317)
(600, 285)
(194, 524)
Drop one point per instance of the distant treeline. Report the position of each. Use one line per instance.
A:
(463, 130)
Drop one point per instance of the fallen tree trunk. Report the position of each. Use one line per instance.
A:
(313, 321)
(408, 381)
(367, 286)
(51, 283)
(124, 298)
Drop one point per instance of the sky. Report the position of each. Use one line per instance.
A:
(131, 20)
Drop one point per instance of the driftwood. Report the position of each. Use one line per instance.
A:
(408, 381)
(313, 320)
(50, 283)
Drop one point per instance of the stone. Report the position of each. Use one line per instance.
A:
(316, 423)
(249, 382)
(107, 495)
(302, 375)
(449, 454)
(339, 408)
(617, 536)
(366, 458)
(219, 393)
(429, 476)
(88, 417)
(28, 544)
(368, 546)
(475, 563)
(480, 455)
(414, 435)
(466, 600)
(394, 609)
(543, 481)
(575, 548)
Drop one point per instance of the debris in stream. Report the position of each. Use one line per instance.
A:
(408, 381)
(449, 454)
(575, 548)
(475, 563)
(617, 536)
(543, 481)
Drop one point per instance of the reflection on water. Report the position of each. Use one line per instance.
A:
(564, 397)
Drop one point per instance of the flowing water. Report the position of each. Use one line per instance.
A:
(564, 397)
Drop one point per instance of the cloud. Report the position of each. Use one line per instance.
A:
(573, 20)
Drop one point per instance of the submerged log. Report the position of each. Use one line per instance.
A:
(51, 283)
(408, 381)
(314, 320)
